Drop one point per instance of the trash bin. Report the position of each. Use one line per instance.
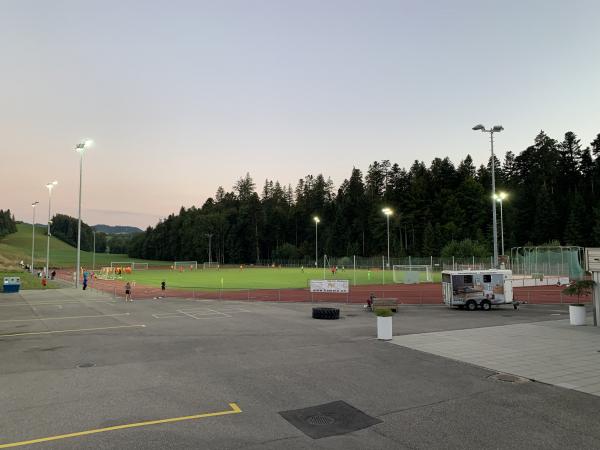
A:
(12, 284)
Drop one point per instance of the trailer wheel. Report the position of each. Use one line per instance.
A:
(471, 305)
(486, 305)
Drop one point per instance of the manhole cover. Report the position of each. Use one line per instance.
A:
(85, 365)
(320, 420)
(508, 378)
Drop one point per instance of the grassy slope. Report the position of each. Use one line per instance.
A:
(252, 278)
(17, 246)
(28, 281)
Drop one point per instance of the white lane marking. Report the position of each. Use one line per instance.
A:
(72, 331)
(69, 317)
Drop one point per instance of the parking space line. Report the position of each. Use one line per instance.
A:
(71, 331)
(234, 409)
(69, 317)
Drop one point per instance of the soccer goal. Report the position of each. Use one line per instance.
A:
(210, 265)
(411, 274)
(121, 264)
(139, 266)
(185, 265)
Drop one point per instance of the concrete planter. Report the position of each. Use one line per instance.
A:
(384, 328)
(577, 314)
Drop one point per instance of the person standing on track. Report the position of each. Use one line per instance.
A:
(128, 292)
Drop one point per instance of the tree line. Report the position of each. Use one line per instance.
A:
(438, 209)
(7, 223)
(65, 228)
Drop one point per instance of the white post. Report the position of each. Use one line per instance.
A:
(495, 230)
(596, 297)
(388, 239)
(383, 271)
(354, 270)
(501, 225)
(78, 268)
(94, 254)
(49, 186)
(33, 237)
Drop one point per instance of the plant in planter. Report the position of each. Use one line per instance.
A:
(577, 310)
(384, 323)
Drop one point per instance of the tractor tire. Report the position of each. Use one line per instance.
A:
(326, 313)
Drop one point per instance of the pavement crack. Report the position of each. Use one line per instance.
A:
(439, 402)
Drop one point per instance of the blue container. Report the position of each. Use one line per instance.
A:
(11, 284)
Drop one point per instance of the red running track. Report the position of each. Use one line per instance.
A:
(408, 294)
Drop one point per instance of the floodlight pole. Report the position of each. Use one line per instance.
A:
(80, 148)
(33, 236)
(388, 213)
(316, 219)
(209, 236)
(94, 253)
(50, 186)
(494, 129)
(501, 225)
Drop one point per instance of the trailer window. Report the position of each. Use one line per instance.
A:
(445, 278)
(487, 278)
(468, 279)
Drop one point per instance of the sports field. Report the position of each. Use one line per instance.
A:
(257, 278)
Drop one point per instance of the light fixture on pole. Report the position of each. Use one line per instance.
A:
(209, 236)
(50, 186)
(388, 212)
(494, 129)
(500, 198)
(317, 220)
(33, 205)
(80, 148)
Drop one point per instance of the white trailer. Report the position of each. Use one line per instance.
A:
(471, 289)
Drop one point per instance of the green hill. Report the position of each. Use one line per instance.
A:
(17, 246)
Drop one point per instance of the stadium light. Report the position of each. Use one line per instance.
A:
(494, 129)
(80, 148)
(50, 186)
(500, 198)
(317, 220)
(33, 205)
(388, 212)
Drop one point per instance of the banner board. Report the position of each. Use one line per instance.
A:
(337, 286)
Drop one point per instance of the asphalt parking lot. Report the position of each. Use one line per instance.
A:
(83, 370)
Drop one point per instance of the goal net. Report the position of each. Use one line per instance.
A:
(139, 266)
(411, 274)
(121, 264)
(210, 265)
(185, 265)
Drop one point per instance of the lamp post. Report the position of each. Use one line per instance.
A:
(500, 198)
(94, 253)
(50, 186)
(209, 236)
(317, 220)
(494, 129)
(80, 148)
(388, 212)
(33, 205)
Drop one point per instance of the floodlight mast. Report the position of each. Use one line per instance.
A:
(494, 129)
(33, 205)
(50, 186)
(317, 220)
(80, 148)
(500, 198)
(388, 212)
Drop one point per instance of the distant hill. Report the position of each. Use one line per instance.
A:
(116, 229)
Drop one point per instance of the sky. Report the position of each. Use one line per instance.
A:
(181, 97)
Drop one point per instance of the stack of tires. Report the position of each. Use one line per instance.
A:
(326, 313)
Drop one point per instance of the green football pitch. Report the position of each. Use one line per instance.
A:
(256, 278)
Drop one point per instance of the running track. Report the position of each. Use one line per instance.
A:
(408, 294)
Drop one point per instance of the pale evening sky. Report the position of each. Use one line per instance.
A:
(183, 96)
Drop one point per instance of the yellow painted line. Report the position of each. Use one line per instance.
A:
(234, 409)
(71, 331)
(69, 317)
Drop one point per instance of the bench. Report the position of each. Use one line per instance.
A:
(390, 303)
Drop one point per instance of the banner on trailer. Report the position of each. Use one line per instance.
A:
(337, 286)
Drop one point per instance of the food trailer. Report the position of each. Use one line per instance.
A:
(472, 289)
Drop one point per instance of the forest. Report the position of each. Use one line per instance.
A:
(7, 223)
(551, 189)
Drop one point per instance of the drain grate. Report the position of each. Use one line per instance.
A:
(320, 420)
(508, 378)
(85, 365)
(329, 419)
